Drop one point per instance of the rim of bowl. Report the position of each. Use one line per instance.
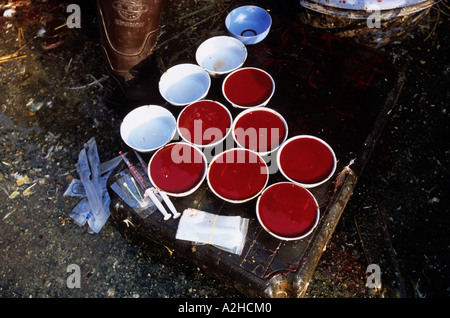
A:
(240, 200)
(193, 189)
(284, 237)
(210, 144)
(243, 69)
(262, 108)
(175, 67)
(228, 38)
(306, 185)
(139, 108)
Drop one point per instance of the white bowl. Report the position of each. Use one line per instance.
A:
(184, 84)
(248, 24)
(306, 160)
(147, 128)
(221, 55)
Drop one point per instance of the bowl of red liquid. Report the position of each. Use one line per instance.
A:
(237, 175)
(178, 169)
(204, 123)
(260, 129)
(306, 160)
(287, 211)
(248, 87)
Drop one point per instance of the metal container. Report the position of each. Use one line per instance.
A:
(370, 22)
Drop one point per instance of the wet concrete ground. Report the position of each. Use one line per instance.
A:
(397, 217)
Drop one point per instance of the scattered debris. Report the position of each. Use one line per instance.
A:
(27, 192)
(14, 194)
(128, 222)
(95, 82)
(9, 13)
(50, 150)
(20, 180)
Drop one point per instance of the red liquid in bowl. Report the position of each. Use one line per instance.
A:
(260, 130)
(177, 168)
(238, 174)
(204, 122)
(248, 87)
(306, 160)
(287, 210)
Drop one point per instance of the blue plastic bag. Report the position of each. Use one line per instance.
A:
(94, 207)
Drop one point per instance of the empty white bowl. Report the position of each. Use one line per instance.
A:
(184, 84)
(148, 128)
(248, 24)
(221, 54)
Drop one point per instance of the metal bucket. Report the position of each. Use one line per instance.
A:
(370, 22)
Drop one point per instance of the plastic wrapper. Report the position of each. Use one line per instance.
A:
(134, 196)
(224, 232)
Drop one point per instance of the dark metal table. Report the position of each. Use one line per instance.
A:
(325, 86)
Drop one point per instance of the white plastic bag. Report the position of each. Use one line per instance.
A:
(225, 232)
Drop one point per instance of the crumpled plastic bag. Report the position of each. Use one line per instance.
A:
(94, 207)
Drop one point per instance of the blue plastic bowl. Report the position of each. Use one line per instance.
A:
(249, 24)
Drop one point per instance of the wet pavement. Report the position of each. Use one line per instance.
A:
(51, 98)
